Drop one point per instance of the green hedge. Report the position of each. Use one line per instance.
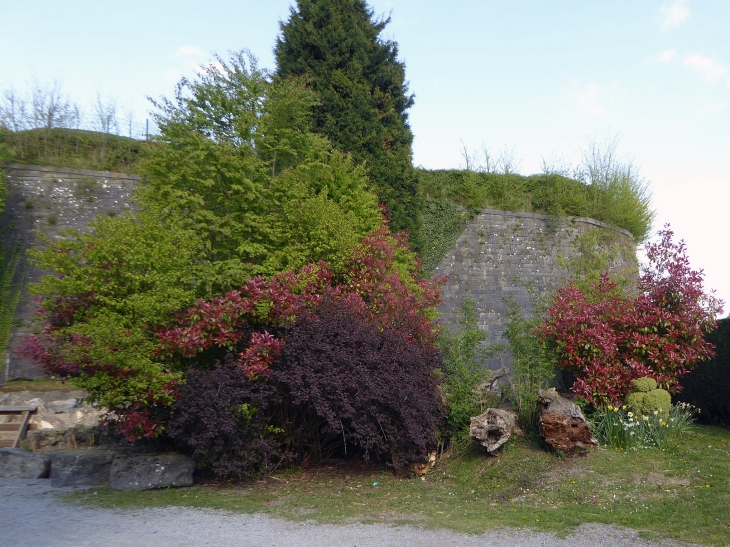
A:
(708, 386)
(74, 148)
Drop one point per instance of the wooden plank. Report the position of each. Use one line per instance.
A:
(17, 409)
(7, 439)
(15, 425)
(22, 429)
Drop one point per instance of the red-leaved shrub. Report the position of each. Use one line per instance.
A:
(606, 338)
(340, 386)
(368, 387)
(223, 419)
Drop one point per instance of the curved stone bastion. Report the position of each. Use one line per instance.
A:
(504, 255)
(499, 254)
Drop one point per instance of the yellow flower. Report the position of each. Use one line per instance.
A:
(656, 412)
(610, 407)
(630, 414)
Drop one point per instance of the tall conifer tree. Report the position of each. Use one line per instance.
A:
(363, 93)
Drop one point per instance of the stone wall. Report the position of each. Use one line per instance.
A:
(41, 202)
(501, 254)
(496, 256)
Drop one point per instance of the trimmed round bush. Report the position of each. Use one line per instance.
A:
(644, 385)
(645, 398)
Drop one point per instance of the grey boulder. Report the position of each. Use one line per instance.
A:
(19, 464)
(80, 467)
(148, 471)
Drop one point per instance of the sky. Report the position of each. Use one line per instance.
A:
(538, 80)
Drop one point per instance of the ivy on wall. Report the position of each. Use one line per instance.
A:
(442, 224)
(9, 291)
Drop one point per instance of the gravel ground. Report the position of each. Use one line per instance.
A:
(31, 516)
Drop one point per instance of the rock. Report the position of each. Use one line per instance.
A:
(80, 467)
(493, 428)
(19, 464)
(51, 439)
(148, 471)
(562, 424)
(60, 407)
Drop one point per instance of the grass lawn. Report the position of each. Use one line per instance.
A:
(681, 493)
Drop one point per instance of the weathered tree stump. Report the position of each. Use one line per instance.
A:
(493, 428)
(562, 424)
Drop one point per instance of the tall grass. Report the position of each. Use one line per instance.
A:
(74, 148)
(604, 187)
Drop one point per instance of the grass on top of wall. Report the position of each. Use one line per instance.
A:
(617, 200)
(74, 148)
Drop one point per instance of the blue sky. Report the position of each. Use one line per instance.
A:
(538, 78)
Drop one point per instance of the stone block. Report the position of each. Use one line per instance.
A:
(80, 467)
(19, 464)
(149, 471)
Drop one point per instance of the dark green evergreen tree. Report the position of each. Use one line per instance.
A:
(363, 94)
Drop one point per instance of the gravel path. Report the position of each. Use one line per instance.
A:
(31, 516)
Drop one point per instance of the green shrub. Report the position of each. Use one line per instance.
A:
(5, 156)
(464, 371)
(237, 161)
(533, 363)
(646, 400)
(643, 385)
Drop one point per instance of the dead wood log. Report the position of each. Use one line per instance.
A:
(562, 424)
(493, 428)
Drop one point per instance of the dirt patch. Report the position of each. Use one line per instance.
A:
(659, 479)
(569, 469)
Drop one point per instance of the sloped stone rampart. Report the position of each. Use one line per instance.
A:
(41, 202)
(501, 254)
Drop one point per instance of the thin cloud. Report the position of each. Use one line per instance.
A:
(666, 56)
(711, 107)
(188, 51)
(589, 98)
(674, 15)
(711, 70)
